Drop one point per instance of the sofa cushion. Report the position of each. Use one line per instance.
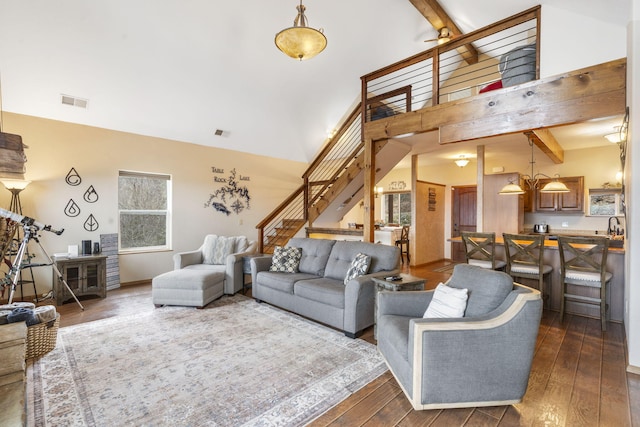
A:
(486, 288)
(282, 282)
(359, 266)
(447, 302)
(216, 249)
(315, 253)
(206, 267)
(383, 257)
(326, 291)
(285, 260)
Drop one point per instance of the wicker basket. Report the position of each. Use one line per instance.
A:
(41, 338)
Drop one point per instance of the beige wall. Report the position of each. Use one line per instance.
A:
(98, 154)
(427, 243)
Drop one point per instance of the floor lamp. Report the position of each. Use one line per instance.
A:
(15, 186)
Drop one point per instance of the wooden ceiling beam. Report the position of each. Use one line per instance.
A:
(591, 93)
(547, 143)
(438, 18)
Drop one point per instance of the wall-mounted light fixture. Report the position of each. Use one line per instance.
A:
(617, 136)
(378, 191)
(462, 161)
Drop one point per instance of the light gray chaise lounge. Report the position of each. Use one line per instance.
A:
(481, 359)
(203, 275)
(318, 291)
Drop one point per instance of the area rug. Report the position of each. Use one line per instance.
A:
(234, 363)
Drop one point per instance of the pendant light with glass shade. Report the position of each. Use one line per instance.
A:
(301, 41)
(533, 180)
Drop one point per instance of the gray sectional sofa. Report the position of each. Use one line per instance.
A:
(317, 290)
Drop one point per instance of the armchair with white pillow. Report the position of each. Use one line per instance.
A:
(480, 358)
(219, 253)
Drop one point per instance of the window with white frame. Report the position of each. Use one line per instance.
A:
(144, 210)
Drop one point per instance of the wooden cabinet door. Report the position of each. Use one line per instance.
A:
(574, 200)
(545, 202)
(571, 202)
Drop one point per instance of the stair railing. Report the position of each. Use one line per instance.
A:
(334, 158)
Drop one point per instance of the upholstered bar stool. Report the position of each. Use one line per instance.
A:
(583, 264)
(525, 258)
(480, 250)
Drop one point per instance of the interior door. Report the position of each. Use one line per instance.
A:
(463, 211)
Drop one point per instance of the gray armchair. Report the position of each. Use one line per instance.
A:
(481, 359)
(231, 265)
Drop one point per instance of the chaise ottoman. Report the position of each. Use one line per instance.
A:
(195, 288)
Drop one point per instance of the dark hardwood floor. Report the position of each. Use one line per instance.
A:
(578, 376)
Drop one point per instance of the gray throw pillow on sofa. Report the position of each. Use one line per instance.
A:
(487, 288)
(359, 266)
(285, 260)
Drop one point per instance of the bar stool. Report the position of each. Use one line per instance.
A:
(403, 243)
(525, 258)
(583, 263)
(480, 250)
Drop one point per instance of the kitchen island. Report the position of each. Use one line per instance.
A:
(615, 293)
(384, 235)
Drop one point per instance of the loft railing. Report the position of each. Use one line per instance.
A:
(336, 156)
(450, 72)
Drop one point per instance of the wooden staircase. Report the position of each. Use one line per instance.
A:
(331, 186)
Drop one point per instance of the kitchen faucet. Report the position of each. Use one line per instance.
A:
(612, 230)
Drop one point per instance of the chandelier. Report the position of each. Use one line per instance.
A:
(533, 180)
(300, 41)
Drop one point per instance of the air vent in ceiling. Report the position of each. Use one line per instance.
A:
(218, 132)
(74, 102)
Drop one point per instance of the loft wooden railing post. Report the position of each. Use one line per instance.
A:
(435, 94)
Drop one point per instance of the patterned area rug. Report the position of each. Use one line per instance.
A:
(234, 363)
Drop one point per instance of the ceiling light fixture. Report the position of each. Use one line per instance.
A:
(532, 180)
(300, 41)
(462, 161)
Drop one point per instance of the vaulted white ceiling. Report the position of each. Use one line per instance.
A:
(180, 69)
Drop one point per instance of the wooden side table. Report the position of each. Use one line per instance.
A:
(407, 282)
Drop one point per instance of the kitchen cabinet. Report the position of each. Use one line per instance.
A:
(571, 202)
(85, 275)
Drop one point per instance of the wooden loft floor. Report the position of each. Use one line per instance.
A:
(578, 376)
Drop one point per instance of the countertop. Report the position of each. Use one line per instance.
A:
(548, 243)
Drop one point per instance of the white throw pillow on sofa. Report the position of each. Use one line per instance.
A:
(447, 302)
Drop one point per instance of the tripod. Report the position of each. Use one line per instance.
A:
(31, 233)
